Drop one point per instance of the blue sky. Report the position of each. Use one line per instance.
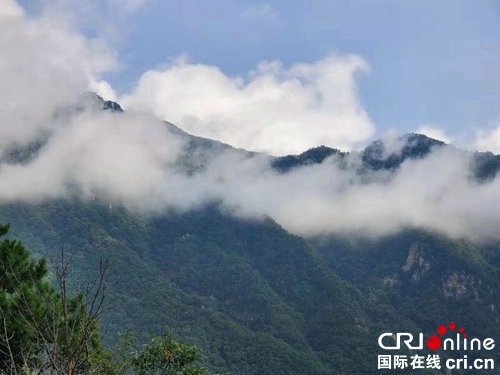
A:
(431, 62)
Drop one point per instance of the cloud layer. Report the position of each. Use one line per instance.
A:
(435, 193)
(274, 109)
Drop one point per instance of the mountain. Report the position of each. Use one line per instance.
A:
(424, 277)
(388, 155)
(256, 298)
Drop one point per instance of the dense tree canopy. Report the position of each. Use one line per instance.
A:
(44, 331)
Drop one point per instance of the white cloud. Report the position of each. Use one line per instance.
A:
(123, 158)
(489, 140)
(274, 109)
(43, 65)
(434, 193)
(434, 132)
(103, 89)
(10, 8)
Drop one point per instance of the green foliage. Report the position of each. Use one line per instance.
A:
(48, 332)
(165, 356)
(257, 299)
(23, 294)
(419, 280)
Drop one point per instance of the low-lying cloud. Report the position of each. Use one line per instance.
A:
(120, 158)
(137, 161)
(434, 193)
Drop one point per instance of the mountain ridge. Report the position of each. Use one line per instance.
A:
(385, 153)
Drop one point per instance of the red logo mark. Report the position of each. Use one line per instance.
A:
(434, 342)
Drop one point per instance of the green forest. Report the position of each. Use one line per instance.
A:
(254, 298)
(47, 330)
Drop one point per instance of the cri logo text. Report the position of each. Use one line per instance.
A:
(391, 341)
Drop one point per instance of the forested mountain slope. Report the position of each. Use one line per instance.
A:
(258, 299)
